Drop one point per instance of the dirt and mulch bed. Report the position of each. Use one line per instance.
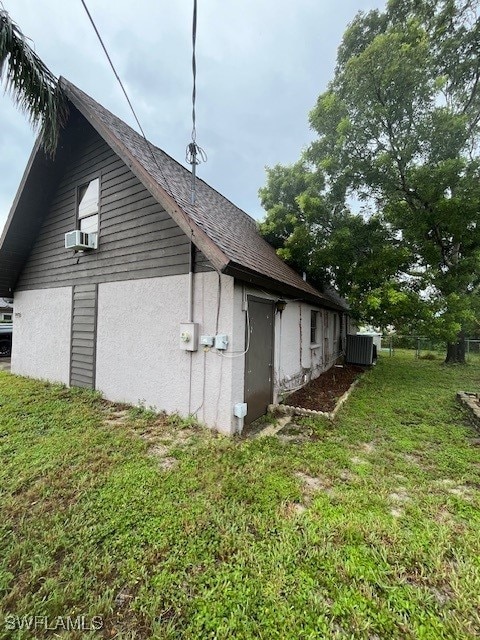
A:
(323, 393)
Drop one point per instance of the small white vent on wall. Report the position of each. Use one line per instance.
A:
(79, 240)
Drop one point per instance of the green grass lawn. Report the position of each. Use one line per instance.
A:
(371, 529)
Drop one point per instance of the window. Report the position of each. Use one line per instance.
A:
(7, 317)
(313, 326)
(88, 195)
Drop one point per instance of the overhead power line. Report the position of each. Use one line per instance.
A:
(126, 96)
(194, 154)
(197, 153)
(113, 67)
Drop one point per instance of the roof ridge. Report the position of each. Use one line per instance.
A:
(72, 86)
(227, 239)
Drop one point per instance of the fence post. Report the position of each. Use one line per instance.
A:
(417, 352)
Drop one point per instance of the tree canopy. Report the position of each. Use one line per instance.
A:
(397, 135)
(32, 85)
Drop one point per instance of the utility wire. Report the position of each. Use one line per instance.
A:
(194, 69)
(194, 154)
(113, 67)
(126, 96)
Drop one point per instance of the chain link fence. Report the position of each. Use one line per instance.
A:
(427, 348)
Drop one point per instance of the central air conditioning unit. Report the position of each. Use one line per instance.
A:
(361, 350)
(80, 240)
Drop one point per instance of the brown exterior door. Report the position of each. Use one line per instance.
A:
(259, 358)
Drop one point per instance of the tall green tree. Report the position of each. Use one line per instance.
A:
(31, 84)
(317, 234)
(398, 128)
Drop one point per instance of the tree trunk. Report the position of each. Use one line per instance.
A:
(456, 351)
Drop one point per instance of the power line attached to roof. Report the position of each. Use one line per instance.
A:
(194, 154)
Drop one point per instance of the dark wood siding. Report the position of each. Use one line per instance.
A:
(138, 239)
(84, 328)
(201, 262)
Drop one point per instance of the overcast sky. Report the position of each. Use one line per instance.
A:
(261, 65)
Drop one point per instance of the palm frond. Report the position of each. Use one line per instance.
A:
(33, 87)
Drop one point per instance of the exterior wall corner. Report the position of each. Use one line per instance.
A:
(41, 334)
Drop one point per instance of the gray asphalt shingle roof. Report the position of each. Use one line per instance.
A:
(225, 234)
(213, 217)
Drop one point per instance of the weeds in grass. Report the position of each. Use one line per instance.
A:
(265, 420)
(367, 529)
(180, 422)
(428, 356)
(142, 412)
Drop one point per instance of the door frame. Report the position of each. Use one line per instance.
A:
(270, 302)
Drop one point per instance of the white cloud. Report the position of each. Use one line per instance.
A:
(261, 65)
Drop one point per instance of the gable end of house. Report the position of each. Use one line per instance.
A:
(137, 237)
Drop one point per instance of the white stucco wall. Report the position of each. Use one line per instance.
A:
(41, 334)
(139, 360)
(296, 360)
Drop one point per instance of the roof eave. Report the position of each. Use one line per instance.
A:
(256, 279)
(20, 189)
(18, 233)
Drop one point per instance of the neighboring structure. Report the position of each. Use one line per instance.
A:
(376, 335)
(6, 310)
(197, 273)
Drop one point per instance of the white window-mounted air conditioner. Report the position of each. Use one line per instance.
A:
(80, 241)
